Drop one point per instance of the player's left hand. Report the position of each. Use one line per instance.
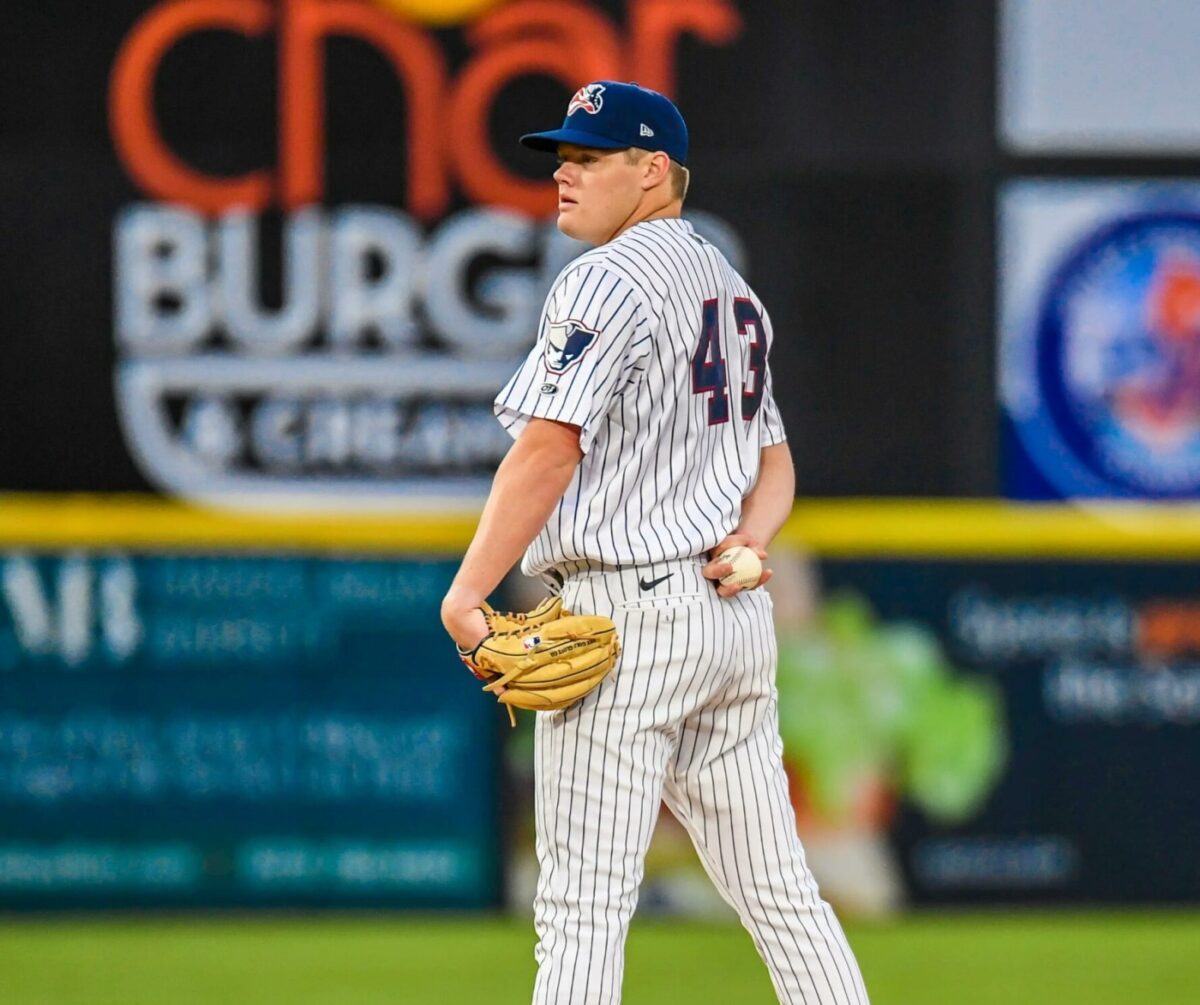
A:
(464, 622)
(715, 570)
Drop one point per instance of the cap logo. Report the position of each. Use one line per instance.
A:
(645, 130)
(588, 98)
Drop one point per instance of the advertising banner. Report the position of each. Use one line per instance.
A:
(324, 260)
(969, 731)
(1099, 363)
(1022, 731)
(283, 253)
(205, 730)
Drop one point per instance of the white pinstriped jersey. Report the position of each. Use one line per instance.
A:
(657, 349)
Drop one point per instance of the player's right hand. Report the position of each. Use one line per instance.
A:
(716, 570)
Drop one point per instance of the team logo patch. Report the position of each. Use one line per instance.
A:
(588, 98)
(566, 342)
(548, 389)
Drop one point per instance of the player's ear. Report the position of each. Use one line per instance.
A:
(656, 170)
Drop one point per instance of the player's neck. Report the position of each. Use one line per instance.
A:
(672, 210)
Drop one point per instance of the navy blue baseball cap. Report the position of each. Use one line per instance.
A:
(610, 115)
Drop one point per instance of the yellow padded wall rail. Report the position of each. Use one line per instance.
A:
(833, 528)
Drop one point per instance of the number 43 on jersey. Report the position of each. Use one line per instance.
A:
(708, 366)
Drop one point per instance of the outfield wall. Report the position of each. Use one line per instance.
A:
(207, 708)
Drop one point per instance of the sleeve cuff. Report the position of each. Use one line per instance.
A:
(514, 423)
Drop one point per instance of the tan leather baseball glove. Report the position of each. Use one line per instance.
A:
(543, 659)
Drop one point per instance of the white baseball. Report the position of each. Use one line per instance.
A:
(747, 568)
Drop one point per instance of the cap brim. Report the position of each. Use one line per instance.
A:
(549, 141)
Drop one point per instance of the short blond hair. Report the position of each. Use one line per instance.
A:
(680, 176)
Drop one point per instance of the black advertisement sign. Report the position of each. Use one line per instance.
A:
(1096, 672)
(257, 252)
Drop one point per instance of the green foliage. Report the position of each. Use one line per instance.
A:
(861, 701)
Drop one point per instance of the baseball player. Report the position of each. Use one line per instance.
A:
(648, 442)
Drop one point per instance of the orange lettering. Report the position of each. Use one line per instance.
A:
(149, 161)
(656, 24)
(447, 128)
(1169, 628)
(565, 40)
(416, 60)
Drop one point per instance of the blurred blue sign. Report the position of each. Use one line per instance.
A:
(239, 730)
(1100, 349)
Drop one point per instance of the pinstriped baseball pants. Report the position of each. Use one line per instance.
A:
(688, 716)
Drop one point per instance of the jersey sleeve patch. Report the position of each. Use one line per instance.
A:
(566, 343)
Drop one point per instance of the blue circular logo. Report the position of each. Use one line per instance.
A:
(1118, 362)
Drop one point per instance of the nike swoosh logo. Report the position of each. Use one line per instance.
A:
(643, 584)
